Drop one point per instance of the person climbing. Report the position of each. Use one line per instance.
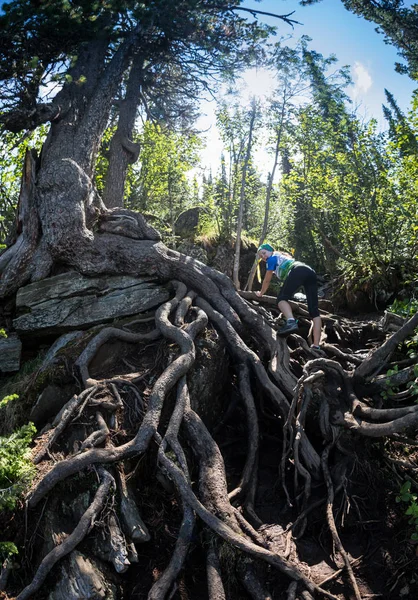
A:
(292, 275)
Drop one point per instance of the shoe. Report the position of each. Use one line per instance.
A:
(288, 328)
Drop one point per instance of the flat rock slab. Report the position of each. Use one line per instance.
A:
(10, 351)
(71, 301)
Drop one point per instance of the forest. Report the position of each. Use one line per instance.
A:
(159, 438)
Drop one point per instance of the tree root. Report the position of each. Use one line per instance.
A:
(331, 521)
(62, 420)
(230, 536)
(382, 354)
(79, 533)
(215, 586)
(133, 524)
(119, 550)
(252, 434)
(327, 390)
(101, 338)
(252, 583)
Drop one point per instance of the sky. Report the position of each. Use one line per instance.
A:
(333, 30)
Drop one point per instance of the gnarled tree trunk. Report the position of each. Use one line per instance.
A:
(314, 405)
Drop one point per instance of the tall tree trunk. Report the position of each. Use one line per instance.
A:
(64, 192)
(242, 197)
(250, 279)
(123, 151)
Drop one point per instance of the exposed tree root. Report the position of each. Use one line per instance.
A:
(215, 586)
(83, 527)
(319, 396)
(101, 338)
(331, 521)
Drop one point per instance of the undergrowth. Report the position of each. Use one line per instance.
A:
(12, 410)
(16, 468)
(405, 495)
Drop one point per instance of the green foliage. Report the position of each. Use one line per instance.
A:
(159, 184)
(234, 123)
(183, 44)
(209, 225)
(102, 162)
(12, 154)
(405, 495)
(7, 550)
(16, 468)
(397, 23)
(391, 389)
(404, 308)
(8, 399)
(407, 308)
(354, 196)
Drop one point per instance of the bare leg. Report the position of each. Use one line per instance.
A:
(287, 311)
(317, 325)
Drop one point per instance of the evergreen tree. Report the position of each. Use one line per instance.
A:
(399, 128)
(90, 48)
(397, 22)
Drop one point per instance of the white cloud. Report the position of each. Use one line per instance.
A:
(362, 80)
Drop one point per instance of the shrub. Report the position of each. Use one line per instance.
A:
(405, 495)
(16, 468)
(7, 549)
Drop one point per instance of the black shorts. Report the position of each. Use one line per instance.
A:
(301, 276)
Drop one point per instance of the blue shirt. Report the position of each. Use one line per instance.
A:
(280, 264)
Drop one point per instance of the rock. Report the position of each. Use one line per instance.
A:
(391, 321)
(299, 297)
(71, 301)
(194, 251)
(10, 351)
(187, 222)
(58, 345)
(82, 577)
(224, 260)
(50, 403)
(111, 547)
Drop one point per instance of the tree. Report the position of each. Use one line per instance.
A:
(12, 152)
(105, 40)
(123, 150)
(159, 185)
(64, 225)
(398, 24)
(233, 129)
(253, 113)
(399, 128)
(290, 74)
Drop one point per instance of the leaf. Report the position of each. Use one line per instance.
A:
(405, 487)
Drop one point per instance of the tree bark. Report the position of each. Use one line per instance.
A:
(123, 151)
(242, 197)
(249, 284)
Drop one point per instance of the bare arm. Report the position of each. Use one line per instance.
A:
(266, 283)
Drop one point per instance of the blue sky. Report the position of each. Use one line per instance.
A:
(333, 30)
(354, 41)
